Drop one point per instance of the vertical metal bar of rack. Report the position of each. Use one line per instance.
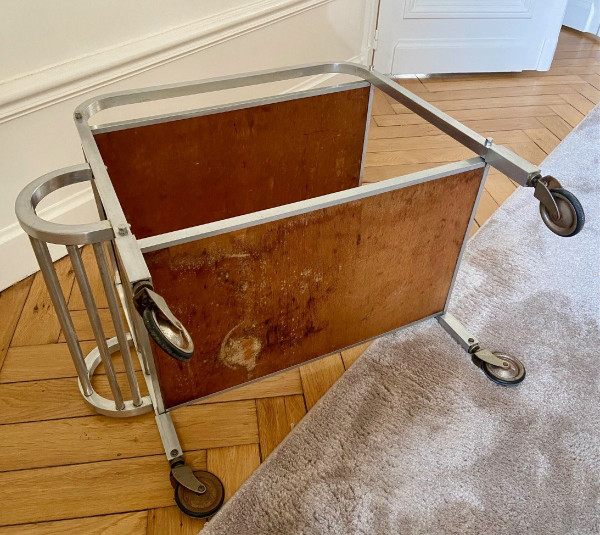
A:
(117, 320)
(44, 259)
(94, 317)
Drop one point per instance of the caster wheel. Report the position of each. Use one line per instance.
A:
(513, 375)
(175, 343)
(200, 505)
(572, 217)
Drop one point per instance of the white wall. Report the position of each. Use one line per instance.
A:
(583, 15)
(57, 53)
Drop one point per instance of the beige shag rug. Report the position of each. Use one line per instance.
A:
(414, 439)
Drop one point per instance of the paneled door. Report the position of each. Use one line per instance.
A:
(458, 36)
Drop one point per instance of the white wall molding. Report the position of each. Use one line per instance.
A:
(36, 90)
(424, 9)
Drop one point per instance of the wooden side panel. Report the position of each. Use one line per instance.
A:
(184, 173)
(272, 296)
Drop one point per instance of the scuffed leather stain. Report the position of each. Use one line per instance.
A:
(239, 351)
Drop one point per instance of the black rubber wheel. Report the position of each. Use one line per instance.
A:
(201, 505)
(154, 330)
(511, 376)
(572, 216)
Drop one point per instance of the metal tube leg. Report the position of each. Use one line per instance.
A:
(501, 368)
(137, 326)
(92, 311)
(60, 306)
(467, 341)
(168, 436)
(115, 313)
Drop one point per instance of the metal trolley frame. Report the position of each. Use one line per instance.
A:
(125, 275)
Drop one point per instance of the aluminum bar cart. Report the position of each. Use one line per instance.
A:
(236, 241)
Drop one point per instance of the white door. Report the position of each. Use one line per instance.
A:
(583, 15)
(451, 36)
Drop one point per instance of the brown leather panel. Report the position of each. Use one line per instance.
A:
(272, 296)
(174, 175)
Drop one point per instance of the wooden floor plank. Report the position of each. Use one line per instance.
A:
(295, 409)
(272, 424)
(233, 465)
(75, 300)
(83, 327)
(383, 172)
(99, 438)
(589, 55)
(402, 119)
(593, 80)
(52, 399)
(38, 323)
(487, 206)
(490, 93)
(589, 92)
(418, 130)
(411, 143)
(41, 400)
(319, 376)
(171, 521)
(286, 383)
(50, 361)
(12, 301)
(499, 186)
(568, 113)
(123, 524)
(545, 139)
(380, 105)
(349, 356)
(501, 81)
(479, 108)
(401, 157)
(579, 102)
(557, 125)
(93, 489)
(528, 150)
(482, 102)
(439, 141)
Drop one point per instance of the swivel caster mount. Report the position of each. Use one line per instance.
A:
(198, 494)
(503, 369)
(561, 211)
(164, 328)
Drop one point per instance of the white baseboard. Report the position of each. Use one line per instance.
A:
(451, 55)
(36, 90)
(79, 207)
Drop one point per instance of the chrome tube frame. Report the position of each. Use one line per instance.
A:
(127, 266)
